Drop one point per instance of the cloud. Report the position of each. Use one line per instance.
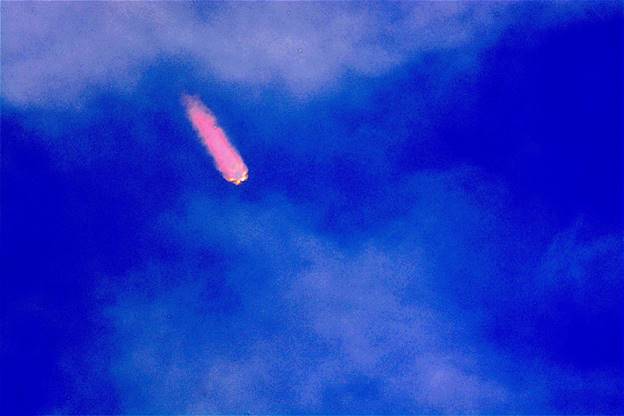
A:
(570, 258)
(585, 274)
(58, 54)
(258, 310)
(302, 322)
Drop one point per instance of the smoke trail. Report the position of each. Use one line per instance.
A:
(226, 158)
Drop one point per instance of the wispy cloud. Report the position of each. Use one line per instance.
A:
(284, 318)
(310, 317)
(56, 53)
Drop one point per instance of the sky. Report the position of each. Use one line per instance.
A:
(432, 224)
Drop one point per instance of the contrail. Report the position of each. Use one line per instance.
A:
(226, 158)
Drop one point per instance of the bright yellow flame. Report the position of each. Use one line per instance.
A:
(238, 181)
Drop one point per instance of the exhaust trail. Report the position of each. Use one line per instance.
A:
(227, 159)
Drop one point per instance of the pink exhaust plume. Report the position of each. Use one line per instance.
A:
(226, 158)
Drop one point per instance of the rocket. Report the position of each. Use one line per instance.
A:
(227, 159)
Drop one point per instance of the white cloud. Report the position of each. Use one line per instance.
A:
(56, 53)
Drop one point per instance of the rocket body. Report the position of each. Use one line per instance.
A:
(227, 159)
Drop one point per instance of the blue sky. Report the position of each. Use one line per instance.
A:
(432, 223)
